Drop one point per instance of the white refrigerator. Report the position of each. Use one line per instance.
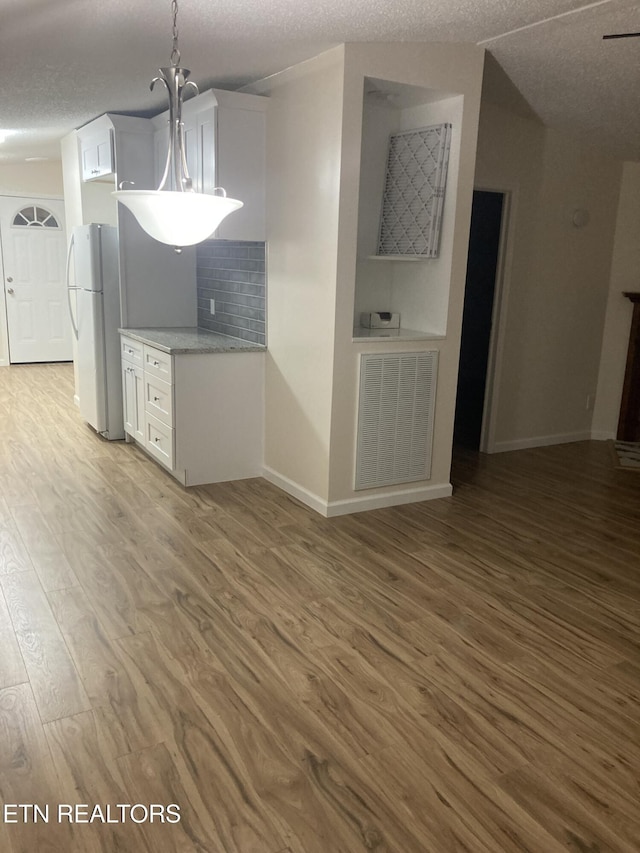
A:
(93, 283)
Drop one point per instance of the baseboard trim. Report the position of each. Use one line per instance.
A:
(601, 435)
(295, 490)
(385, 499)
(331, 509)
(541, 441)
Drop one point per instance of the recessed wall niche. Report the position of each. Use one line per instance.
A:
(415, 287)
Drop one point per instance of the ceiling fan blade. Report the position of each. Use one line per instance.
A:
(621, 36)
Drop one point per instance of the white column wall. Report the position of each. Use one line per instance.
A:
(304, 125)
(455, 70)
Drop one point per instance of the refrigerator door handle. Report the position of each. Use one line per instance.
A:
(69, 289)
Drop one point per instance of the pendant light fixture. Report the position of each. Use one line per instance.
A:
(179, 216)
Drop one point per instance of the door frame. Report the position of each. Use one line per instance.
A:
(4, 322)
(498, 316)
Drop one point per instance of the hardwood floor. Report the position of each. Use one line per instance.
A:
(455, 675)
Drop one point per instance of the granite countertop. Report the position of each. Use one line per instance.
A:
(190, 339)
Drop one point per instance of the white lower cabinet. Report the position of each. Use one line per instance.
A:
(200, 415)
(133, 400)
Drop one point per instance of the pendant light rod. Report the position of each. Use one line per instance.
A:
(176, 82)
(175, 213)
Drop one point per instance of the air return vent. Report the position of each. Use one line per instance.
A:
(395, 418)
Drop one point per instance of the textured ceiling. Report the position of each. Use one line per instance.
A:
(64, 62)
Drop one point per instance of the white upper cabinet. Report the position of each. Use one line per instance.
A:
(241, 155)
(96, 154)
(157, 286)
(225, 134)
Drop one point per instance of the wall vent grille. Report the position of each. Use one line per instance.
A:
(395, 418)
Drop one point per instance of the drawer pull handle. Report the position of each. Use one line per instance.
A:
(156, 399)
(156, 364)
(157, 439)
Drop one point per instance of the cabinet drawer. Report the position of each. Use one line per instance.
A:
(131, 351)
(158, 363)
(159, 440)
(158, 399)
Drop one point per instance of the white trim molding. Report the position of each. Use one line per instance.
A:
(330, 509)
(295, 490)
(499, 314)
(385, 499)
(600, 435)
(540, 441)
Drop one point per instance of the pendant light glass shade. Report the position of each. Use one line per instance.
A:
(177, 218)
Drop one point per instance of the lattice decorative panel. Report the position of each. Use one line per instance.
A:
(395, 418)
(414, 191)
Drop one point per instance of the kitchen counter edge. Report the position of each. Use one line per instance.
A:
(184, 340)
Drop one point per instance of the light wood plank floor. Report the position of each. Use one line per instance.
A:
(456, 675)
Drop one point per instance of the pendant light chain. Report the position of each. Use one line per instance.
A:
(175, 53)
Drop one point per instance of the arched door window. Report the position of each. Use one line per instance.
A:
(35, 217)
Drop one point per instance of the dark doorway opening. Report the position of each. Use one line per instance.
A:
(629, 421)
(482, 266)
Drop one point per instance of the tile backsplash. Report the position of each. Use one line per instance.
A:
(233, 274)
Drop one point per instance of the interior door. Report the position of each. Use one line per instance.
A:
(34, 254)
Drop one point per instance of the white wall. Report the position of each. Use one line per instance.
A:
(556, 278)
(72, 185)
(625, 277)
(374, 278)
(31, 179)
(304, 124)
(89, 201)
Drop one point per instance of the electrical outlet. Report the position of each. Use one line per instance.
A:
(212, 306)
